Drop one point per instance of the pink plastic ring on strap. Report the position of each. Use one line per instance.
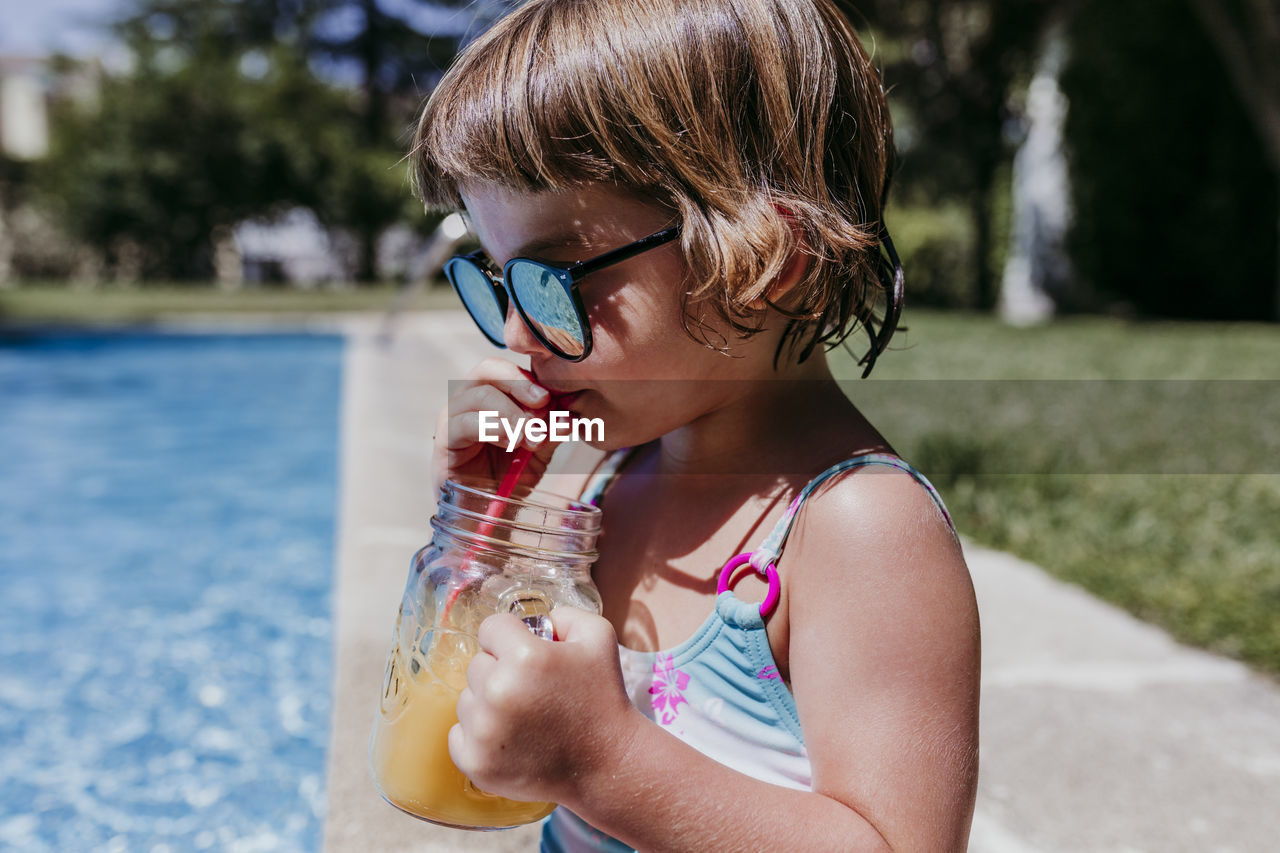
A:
(770, 573)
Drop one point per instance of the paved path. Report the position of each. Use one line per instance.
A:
(1099, 733)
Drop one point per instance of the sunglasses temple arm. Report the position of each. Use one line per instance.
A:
(619, 255)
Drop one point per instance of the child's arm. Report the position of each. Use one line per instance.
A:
(883, 664)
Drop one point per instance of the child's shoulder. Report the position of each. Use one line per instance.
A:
(878, 489)
(876, 587)
(870, 525)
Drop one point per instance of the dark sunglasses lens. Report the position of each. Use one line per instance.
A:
(479, 296)
(548, 306)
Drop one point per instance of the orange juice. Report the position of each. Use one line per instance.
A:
(410, 749)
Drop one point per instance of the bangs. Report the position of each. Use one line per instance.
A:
(539, 102)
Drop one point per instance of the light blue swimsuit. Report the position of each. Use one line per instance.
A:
(719, 691)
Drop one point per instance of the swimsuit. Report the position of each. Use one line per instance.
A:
(719, 691)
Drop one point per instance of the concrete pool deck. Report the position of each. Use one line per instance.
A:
(1099, 732)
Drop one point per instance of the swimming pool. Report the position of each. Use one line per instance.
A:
(166, 559)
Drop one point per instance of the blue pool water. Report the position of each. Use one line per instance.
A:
(166, 557)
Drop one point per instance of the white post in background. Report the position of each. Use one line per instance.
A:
(24, 121)
(24, 135)
(1038, 268)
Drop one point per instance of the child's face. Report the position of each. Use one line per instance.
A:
(634, 309)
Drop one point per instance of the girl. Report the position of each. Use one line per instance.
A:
(682, 201)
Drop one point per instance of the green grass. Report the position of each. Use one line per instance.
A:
(972, 346)
(1028, 466)
(114, 305)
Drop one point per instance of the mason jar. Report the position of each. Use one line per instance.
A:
(525, 555)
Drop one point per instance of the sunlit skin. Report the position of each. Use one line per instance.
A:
(884, 658)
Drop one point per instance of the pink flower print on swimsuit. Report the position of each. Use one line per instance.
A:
(668, 689)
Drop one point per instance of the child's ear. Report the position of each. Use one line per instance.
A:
(794, 270)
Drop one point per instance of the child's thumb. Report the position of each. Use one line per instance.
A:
(575, 625)
(544, 452)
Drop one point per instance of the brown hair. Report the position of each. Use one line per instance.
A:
(761, 123)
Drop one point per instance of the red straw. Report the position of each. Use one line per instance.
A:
(519, 461)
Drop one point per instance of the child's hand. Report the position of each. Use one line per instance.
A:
(536, 715)
(495, 385)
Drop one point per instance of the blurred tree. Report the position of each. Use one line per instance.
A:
(15, 176)
(174, 149)
(393, 57)
(227, 114)
(1246, 34)
(14, 181)
(395, 63)
(951, 67)
(1176, 203)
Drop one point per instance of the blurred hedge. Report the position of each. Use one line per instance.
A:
(1175, 205)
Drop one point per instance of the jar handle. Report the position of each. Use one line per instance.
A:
(532, 608)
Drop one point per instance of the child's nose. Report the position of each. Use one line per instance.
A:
(517, 336)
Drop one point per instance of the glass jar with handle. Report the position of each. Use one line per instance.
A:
(523, 554)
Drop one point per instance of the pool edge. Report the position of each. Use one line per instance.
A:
(392, 388)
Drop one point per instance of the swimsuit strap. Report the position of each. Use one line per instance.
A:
(771, 548)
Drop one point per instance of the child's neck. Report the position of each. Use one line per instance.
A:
(796, 420)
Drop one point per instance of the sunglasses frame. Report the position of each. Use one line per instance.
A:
(569, 278)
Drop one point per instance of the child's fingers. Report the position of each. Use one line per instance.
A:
(464, 425)
(459, 750)
(575, 625)
(494, 386)
(479, 671)
(505, 636)
(484, 396)
(543, 452)
(508, 378)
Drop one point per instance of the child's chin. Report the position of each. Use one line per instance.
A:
(605, 446)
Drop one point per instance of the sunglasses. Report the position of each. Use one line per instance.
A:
(545, 295)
